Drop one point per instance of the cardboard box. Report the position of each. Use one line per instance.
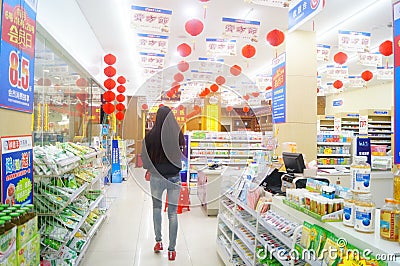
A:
(29, 254)
(26, 231)
(8, 248)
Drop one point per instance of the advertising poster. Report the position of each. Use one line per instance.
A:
(150, 19)
(368, 59)
(17, 169)
(384, 73)
(363, 148)
(17, 56)
(354, 41)
(303, 11)
(273, 3)
(279, 89)
(220, 47)
(151, 60)
(323, 52)
(240, 28)
(337, 72)
(396, 42)
(214, 65)
(212, 123)
(355, 82)
(152, 43)
(116, 176)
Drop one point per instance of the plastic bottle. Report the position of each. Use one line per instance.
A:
(364, 213)
(348, 210)
(360, 172)
(18, 206)
(15, 218)
(2, 227)
(396, 184)
(7, 223)
(389, 222)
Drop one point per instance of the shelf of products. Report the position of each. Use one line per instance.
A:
(130, 152)
(325, 122)
(349, 122)
(333, 149)
(379, 126)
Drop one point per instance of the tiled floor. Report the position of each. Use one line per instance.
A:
(126, 238)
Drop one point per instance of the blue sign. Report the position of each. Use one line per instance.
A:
(17, 170)
(17, 56)
(151, 9)
(363, 148)
(337, 103)
(116, 176)
(396, 37)
(279, 89)
(303, 11)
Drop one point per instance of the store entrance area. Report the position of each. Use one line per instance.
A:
(127, 238)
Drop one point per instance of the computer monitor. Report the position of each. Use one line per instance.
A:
(294, 162)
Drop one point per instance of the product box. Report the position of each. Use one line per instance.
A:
(29, 254)
(26, 231)
(8, 248)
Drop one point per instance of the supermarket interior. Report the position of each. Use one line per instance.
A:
(288, 110)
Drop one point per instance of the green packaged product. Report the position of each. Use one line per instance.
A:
(76, 243)
(331, 251)
(318, 237)
(86, 227)
(66, 222)
(54, 244)
(56, 232)
(305, 240)
(79, 210)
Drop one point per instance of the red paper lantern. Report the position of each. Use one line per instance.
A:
(178, 77)
(81, 82)
(214, 87)
(248, 51)
(121, 88)
(317, 90)
(255, 94)
(194, 27)
(246, 109)
(197, 108)
(184, 49)
(275, 37)
(170, 93)
(110, 71)
(367, 75)
(236, 70)
(145, 106)
(183, 66)
(120, 107)
(121, 80)
(340, 58)
(47, 82)
(204, 1)
(246, 97)
(220, 80)
(206, 91)
(337, 84)
(40, 82)
(109, 96)
(108, 108)
(268, 88)
(109, 84)
(120, 98)
(175, 88)
(110, 59)
(386, 48)
(229, 108)
(120, 116)
(82, 96)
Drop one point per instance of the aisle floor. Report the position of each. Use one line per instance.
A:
(126, 238)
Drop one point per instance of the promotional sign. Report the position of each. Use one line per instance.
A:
(363, 124)
(363, 148)
(213, 65)
(384, 73)
(323, 52)
(396, 41)
(263, 81)
(240, 28)
(175, 98)
(116, 176)
(355, 82)
(17, 56)
(152, 60)
(220, 47)
(150, 72)
(337, 124)
(279, 89)
(212, 123)
(152, 43)
(17, 170)
(273, 3)
(337, 103)
(354, 41)
(180, 114)
(303, 11)
(200, 75)
(337, 72)
(150, 19)
(368, 59)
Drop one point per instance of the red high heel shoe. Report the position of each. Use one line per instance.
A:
(171, 255)
(158, 247)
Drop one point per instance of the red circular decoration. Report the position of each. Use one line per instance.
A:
(268, 88)
(184, 49)
(110, 71)
(246, 97)
(255, 94)
(246, 109)
(109, 84)
(317, 90)
(229, 108)
(386, 48)
(145, 106)
(110, 59)
(248, 51)
(220, 80)
(340, 58)
(121, 80)
(81, 82)
(175, 88)
(82, 96)
(120, 107)
(194, 27)
(236, 70)
(47, 82)
(40, 82)
(206, 91)
(178, 77)
(197, 108)
(367, 75)
(120, 116)
(214, 87)
(337, 84)
(109, 96)
(160, 105)
(275, 37)
(121, 88)
(183, 66)
(108, 108)
(120, 98)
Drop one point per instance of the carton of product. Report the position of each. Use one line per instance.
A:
(8, 247)
(29, 254)
(26, 231)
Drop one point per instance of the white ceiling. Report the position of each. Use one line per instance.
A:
(110, 21)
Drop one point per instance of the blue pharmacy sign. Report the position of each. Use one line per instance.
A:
(279, 89)
(363, 148)
(17, 170)
(396, 37)
(116, 176)
(303, 11)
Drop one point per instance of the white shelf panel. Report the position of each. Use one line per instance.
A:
(334, 143)
(220, 228)
(225, 221)
(275, 254)
(381, 142)
(380, 127)
(333, 155)
(242, 204)
(245, 240)
(228, 148)
(380, 137)
(380, 122)
(222, 156)
(239, 251)
(350, 123)
(225, 140)
(379, 132)
(248, 226)
(333, 165)
(223, 253)
(224, 163)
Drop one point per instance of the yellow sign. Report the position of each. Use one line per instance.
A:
(212, 121)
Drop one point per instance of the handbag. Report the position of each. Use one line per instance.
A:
(147, 175)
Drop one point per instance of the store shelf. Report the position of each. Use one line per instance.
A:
(224, 163)
(380, 122)
(350, 124)
(220, 228)
(275, 254)
(68, 161)
(379, 137)
(249, 227)
(379, 132)
(332, 165)
(284, 239)
(333, 155)
(380, 127)
(226, 207)
(90, 155)
(226, 222)
(226, 140)
(223, 253)
(245, 241)
(239, 251)
(228, 148)
(222, 155)
(100, 175)
(350, 128)
(242, 205)
(334, 143)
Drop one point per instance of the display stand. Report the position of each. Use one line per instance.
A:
(208, 190)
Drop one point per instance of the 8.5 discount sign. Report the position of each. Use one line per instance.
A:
(17, 54)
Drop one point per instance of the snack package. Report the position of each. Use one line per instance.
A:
(318, 237)
(332, 250)
(56, 232)
(305, 240)
(77, 243)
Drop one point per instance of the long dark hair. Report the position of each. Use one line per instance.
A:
(165, 140)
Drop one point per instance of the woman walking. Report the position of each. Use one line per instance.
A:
(161, 156)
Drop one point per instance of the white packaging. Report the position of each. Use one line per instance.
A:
(364, 219)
